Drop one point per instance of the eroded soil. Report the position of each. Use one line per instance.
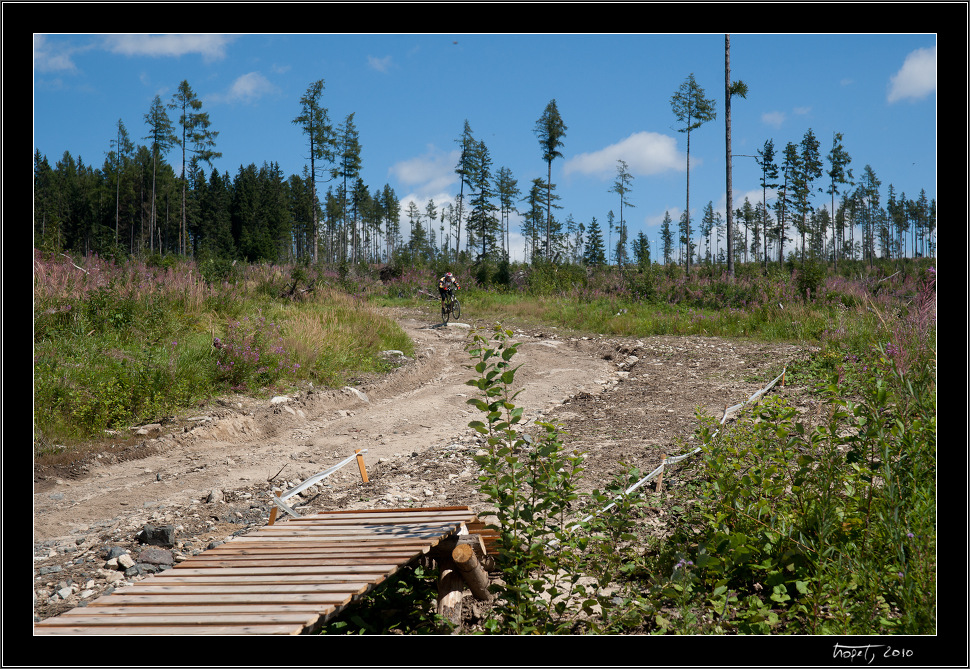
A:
(617, 399)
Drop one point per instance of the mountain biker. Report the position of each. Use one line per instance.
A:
(445, 284)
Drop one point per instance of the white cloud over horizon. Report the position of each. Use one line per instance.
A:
(645, 153)
(247, 88)
(428, 174)
(916, 79)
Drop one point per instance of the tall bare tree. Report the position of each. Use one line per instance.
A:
(693, 110)
(740, 89)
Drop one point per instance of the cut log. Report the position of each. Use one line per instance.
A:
(471, 571)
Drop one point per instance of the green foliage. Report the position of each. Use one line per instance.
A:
(532, 479)
(808, 276)
(406, 604)
(828, 530)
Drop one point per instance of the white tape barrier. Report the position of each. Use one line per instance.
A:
(677, 458)
(278, 500)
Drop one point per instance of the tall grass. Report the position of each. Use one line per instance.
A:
(117, 344)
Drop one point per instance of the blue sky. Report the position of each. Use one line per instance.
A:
(412, 93)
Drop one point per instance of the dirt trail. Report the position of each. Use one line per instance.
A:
(420, 405)
(618, 400)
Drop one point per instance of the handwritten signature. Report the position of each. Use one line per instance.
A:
(868, 653)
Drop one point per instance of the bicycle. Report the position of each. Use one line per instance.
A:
(451, 307)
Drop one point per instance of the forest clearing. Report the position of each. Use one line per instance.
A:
(624, 399)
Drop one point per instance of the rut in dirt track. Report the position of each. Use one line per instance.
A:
(243, 443)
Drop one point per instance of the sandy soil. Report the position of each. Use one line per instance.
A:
(620, 400)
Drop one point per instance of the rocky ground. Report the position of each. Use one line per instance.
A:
(203, 478)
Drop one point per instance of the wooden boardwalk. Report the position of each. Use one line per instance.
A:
(286, 578)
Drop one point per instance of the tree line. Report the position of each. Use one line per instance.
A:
(157, 198)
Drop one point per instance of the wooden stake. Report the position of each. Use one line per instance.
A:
(360, 466)
(450, 585)
(660, 478)
(272, 512)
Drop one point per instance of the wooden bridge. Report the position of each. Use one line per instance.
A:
(290, 577)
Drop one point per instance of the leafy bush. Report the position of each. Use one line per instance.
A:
(826, 530)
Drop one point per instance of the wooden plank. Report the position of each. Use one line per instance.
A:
(177, 610)
(181, 589)
(309, 578)
(403, 510)
(232, 563)
(283, 579)
(323, 598)
(352, 534)
(315, 547)
(244, 572)
(216, 630)
(229, 561)
(301, 619)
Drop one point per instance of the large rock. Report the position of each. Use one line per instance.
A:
(157, 556)
(157, 536)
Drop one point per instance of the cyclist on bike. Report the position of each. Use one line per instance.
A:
(445, 284)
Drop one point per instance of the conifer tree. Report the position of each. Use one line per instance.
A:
(315, 124)
(667, 237)
(594, 252)
(507, 189)
(707, 227)
(769, 172)
(194, 136)
(641, 250)
(621, 186)
(162, 138)
(482, 219)
(789, 169)
(123, 147)
(693, 110)
(838, 175)
(550, 130)
(347, 168)
(464, 171)
(809, 168)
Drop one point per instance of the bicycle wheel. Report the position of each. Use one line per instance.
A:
(456, 308)
(445, 312)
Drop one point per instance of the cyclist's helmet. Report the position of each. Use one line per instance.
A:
(448, 274)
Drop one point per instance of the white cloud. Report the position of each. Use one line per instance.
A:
(916, 78)
(53, 56)
(428, 174)
(249, 88)
(210, 47)
(644, 153)
(774, 119)
(379, 64)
